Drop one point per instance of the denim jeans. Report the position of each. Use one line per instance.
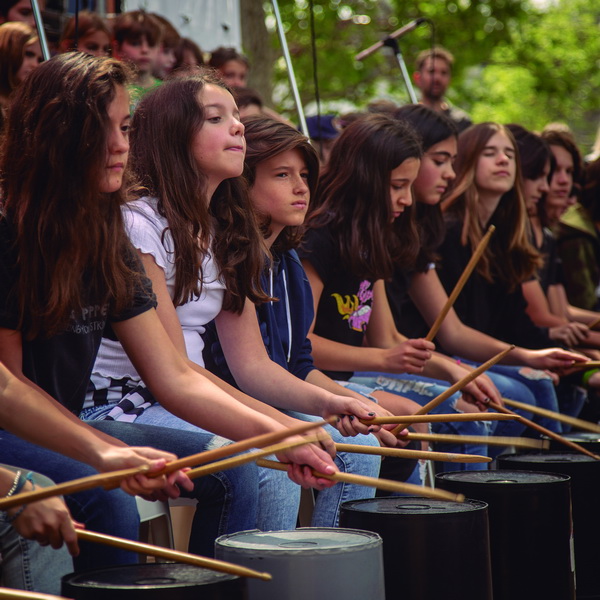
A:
(527, 385)
(246, 497)
(328, 501)
(422, 390)
(112, 512)
(24, 564)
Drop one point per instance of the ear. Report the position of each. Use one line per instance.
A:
(417, 77)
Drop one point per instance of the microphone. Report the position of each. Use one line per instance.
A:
(397, 34)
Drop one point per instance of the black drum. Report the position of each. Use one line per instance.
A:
(587, 440)
(160, 581)
(530, 530)
(584, 472)
(309, 563)
(432, 549)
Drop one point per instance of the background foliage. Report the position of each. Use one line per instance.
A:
(516, 60)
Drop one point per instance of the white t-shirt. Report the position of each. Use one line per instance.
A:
(145, 228)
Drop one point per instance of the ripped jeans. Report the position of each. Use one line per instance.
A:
(422, 390)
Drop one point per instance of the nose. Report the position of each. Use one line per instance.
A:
(449, 173)
(118, 143)
(502, 157)
(405, 198)
(237, 127)
(561, 176)
(300, 185)
(544, 188)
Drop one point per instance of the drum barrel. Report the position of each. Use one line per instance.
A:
(530, 530)
(584, 472)
(310, 562)
(432, 549)
(153, 582)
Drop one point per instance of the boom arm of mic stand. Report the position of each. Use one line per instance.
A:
(396, 34)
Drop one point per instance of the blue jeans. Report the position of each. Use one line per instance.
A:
(422, 390)
(328, 501)
(112, 512)
(246, 497)
(527, 385)
(25, 565)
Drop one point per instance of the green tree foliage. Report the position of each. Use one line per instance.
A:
(516, 61)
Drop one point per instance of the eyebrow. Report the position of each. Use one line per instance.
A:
(221, 106)
(440, 153)
(505, 148)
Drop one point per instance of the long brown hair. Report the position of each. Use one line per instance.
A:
(266, 138)
(14, 37)
(164, 126)
(69, 237)
(432, 127)
(353, 197)
(509, 257)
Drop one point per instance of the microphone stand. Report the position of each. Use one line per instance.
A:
(37, 15)
(290, 68)
(391, 42)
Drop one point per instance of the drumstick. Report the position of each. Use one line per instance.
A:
(10, 593)
(460, 283)
(457, 386)
(441, 418)
(382, 484)
(183, 557)
(536, 410)
(404, 453)
(236, 461)
(112, 479)
(588, 364)
(545, 431)
(594, 323)
(445, 438)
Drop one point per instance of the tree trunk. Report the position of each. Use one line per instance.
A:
(256, 42)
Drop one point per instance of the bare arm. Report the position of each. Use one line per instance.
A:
(47, 521)
(24, 406)
(335, 356)
(429, 296)
(240, 338)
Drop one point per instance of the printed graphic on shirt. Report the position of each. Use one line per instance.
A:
(91, 318)
(356, 308)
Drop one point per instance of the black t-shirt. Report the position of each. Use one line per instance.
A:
(407, 318)
(487, 307)
(344, 308)
(61, 365)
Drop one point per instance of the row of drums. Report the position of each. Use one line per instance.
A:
(528, 530)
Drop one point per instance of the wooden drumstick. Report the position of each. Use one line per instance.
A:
(546, 432)
(460, 283)
(448, 438)
(9, 593)
(112, 479)
(456, 387)
(382, 484)
(588, 364)
(183, 557)
(594, 323)
(404, 453)
(442, 418)
(236, 461)
(552, 414)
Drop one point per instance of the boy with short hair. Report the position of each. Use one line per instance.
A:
(137, 38)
